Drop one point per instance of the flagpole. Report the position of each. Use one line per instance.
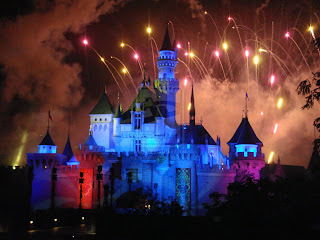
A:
(48, 120)
(246, 106)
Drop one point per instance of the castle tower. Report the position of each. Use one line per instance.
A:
(116, 121)
(166, 83)
(101, 122)
(245, 149)
(44, 164)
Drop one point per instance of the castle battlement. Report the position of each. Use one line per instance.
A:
(68, 171)
(250, 156)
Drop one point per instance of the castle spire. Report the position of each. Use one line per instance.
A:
(118, 113)
(166, 44)
(67, 151)
(192, 112)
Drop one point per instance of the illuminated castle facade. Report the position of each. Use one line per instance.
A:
(143, 147)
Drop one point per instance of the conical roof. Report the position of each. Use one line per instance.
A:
(90, 141)
(245, 134)
(67, 151)
(118, 113)
(73, 161)
(103, 106)
(192, 111)
(47, 140)
(166, 44)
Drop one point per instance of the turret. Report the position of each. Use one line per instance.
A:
(245, 150)
(47, 145)
(166, 83)
(101, 122)
(116, 121)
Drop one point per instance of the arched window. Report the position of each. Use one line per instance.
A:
(105, 127)
(95, 128)
(100, 127)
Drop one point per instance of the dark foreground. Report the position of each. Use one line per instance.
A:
(100, 224)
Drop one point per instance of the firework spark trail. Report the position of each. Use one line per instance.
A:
(295, 24)
(152, 39)
(205, 71)
(220, 37)
(153, 62)
(136, 57)
(112, 74)
(172, 27)
(102, 59)
(230, 69)
(230, 18)
(304, 40)
(206, 13)
(205, 50)
(305, 60)
(278, 60)
(186, 67)
(199, 67)
(262, 41)
(271, 48)
(218, 56)
(129, 75)
(288, 55)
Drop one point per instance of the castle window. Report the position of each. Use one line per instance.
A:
(95, 119)
(95, 128)
(100, 119)
(138, 145)
(90, 147)
(105, 119)
(105, 127)
(137, 121)
(100, 127)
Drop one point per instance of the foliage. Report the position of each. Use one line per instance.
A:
(266, 205)
(144, 203)
(310, 88)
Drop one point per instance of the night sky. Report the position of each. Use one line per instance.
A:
(44, 65)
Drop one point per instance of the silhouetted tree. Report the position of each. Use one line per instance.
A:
(275, 207)
(139, 202)
(310, 88)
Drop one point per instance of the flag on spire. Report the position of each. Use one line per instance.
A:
(247, 97)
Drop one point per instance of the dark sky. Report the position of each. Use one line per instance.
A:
(45, 66)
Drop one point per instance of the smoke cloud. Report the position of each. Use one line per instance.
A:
(220, 105)
(33, 48)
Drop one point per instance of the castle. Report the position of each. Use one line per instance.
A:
(143, 147)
